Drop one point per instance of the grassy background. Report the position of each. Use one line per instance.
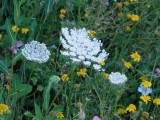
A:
(42, 19)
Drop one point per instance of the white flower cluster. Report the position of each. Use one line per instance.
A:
(81, 48)
(117, 78)
(36, 52)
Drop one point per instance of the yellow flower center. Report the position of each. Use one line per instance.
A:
(92, 33)
(102, 63)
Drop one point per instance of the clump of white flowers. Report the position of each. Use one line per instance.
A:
(36, 52)
(117, 78)
(81, 48)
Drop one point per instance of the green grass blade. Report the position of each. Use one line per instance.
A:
(38, 112)
(10, 32)
(4, 68)
(16, 12)
(48, 6)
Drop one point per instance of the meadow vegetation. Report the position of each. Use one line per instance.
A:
(79, 60)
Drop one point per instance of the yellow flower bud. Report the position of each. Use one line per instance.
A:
(119, 5)
(1, 37)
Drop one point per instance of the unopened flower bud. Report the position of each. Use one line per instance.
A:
(119, 5)
(79, 105)
(76, 86)
(7, 78)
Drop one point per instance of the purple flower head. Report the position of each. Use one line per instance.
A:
(96, 118)
(16, 47)
(157, 70)
(106, 3)
(144, 90)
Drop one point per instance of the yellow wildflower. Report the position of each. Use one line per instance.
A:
(141, 41)
(63, 11)
(60, 115)
(135, 18)
(54, 104)
(120, 14)
(127, 64)
(8, 88)
(143, 78)
(92, 33)
(3, 109)
(129, 16)
(131, 108)
(1, 36)
(62, 16)
(24, 30)
(64, 77)
(126, 3)
(102, 63)
(121, 111)
(145, 98)
(106, 75)
(86, 15)
(1, 112)
(119, 5)
(133, 0)
(156, 101)
(15, 28)
(82, 72)
(135, 56)
(146, 84)
(127, 28)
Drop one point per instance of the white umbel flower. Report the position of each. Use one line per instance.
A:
(81, 48)
(96, 67)
(36, 52)
(117, 78)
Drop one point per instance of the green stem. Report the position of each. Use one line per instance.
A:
(79, 11)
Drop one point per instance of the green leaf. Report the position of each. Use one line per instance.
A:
(22, 2)
(10, 32)
(46, 94)
(4, 68)
(28, 114)
(48, 6)
(157, 90)
(40, 87)
(34, 80)
(33, 28)
(21, 90)
(38, 112)
(16, 12)
(54, 79)
(3, 27)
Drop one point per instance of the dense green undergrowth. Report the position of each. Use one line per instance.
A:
(62, 89)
